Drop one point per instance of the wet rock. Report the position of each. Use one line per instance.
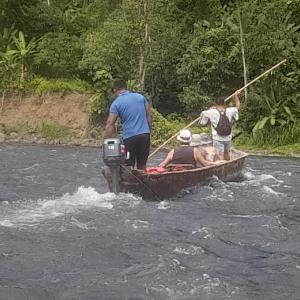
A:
(41, 141)
(75, 142)
(86, 142)
(16, 140)
(2, 137)
(13, 135)
(28, 140)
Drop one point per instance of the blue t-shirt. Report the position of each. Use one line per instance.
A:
(130, 108)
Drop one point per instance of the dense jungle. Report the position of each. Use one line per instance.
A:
(179, 53)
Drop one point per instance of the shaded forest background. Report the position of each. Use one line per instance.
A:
(180, 53)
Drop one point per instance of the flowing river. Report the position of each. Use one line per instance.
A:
(63, 236)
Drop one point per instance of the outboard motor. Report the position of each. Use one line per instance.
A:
(113, 157)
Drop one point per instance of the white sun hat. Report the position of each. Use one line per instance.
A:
(200, 139)
(185, 136)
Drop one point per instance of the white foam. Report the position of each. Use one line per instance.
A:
(264, 177)
(79, 224)
(138, 224)
(6, 223)
(211, 283)
(249, 175)
(191, 250)
(29, 168)
(29, 213)
(163, 205)
(270, 191)
(203, 231)
(246, 216)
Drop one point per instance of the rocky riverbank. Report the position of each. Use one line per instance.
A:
(53, 119)
(14, 137)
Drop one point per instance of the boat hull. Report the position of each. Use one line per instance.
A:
(169, 184)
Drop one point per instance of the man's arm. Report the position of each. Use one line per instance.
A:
(110, 129)
(203, 118)
(200, 160)
(167, 160)
(148, 114)
(237, 101)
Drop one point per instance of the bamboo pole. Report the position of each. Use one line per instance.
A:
(257, 78)
(229, 97)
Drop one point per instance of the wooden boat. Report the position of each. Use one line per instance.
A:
(159, 186)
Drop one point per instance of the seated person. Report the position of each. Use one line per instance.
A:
(204, 144)
(185, 154)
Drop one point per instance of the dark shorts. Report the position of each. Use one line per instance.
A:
(137, 150)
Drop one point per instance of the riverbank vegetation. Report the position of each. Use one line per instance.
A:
(180, 54)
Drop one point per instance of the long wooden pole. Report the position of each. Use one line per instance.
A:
(257, 78)
(229, 97)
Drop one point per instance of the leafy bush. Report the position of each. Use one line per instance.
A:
(162, 128)
(270, 136)
(99, 107)
(58, 55)
(277, 136)
(43, 85)
(51, 131)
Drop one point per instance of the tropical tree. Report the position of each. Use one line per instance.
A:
(23, 53)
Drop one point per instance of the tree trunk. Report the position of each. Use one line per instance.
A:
(22, 75)
(243, 54)
(141, 69)
(144, 48)
(2, 101)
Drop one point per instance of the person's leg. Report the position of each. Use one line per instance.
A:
(219, 147)
(142, 150)
(130, 148)
(227, 146)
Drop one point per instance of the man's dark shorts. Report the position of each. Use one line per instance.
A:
(137, 150)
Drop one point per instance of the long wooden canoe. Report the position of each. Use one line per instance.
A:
(169, 184)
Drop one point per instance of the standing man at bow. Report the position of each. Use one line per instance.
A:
(221, 118)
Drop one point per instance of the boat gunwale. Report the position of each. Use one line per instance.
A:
(144, 174)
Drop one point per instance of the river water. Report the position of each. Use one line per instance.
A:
(63, 236)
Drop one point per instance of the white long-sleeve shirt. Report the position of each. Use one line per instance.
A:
(213, 116)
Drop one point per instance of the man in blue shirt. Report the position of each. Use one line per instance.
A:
(136, 119)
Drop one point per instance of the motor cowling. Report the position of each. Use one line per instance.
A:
(113, 152)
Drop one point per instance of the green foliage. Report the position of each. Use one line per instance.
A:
(179, 53)
(102, 80)
(43, 85)
(7, 39)
(117, 55)
(58, 55)
(24, 52)
(210, 65)
(8, 129)
(101, 100)
(162, 128)
(100, 103)
(274, 109)
(50, 130)
(270, 136)
(15, 58)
